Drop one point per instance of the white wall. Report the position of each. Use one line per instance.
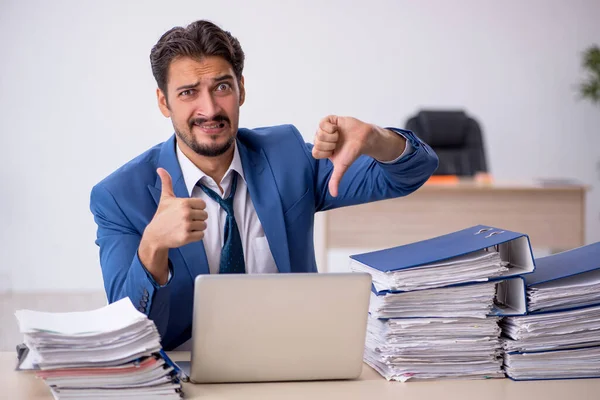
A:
(77, 95)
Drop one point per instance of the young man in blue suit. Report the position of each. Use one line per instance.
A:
(215, 198)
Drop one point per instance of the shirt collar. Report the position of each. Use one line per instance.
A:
(192, 174)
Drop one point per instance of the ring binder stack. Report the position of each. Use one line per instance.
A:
(559, 338)
(436, 304)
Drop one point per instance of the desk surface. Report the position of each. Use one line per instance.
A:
(23, 385)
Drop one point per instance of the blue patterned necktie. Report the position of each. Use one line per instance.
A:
(232, 253)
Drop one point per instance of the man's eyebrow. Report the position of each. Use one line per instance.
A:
(223, 78)
(191, 86)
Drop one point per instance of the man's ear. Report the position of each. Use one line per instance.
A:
(242, 91)
(163, 103)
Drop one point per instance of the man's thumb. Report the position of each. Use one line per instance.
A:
(336, 177)
(167, 184)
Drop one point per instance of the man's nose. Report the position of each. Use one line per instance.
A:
(207, 106)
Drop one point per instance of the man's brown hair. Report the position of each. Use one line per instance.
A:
(197, 40)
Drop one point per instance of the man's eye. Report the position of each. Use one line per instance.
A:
(188, 92)
(223, 86)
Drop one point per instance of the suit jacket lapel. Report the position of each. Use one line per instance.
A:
(193, 253)
(267, 203)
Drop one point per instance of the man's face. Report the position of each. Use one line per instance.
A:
(203, 100)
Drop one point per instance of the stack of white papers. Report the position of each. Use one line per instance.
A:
(434, 348)
(574, 291)
(558, 364)
(552, 331)
(473, 267)
(474, 301)
(560, 344)
(112, 352)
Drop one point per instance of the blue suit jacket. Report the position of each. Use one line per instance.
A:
(287, 186)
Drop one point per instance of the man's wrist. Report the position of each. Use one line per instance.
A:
(154, 258)
(385, 145)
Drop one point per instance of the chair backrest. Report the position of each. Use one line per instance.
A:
(455, 137)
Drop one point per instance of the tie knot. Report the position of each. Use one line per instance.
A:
(226, 204)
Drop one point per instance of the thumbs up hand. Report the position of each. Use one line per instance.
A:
(343, 139)
(176, 223)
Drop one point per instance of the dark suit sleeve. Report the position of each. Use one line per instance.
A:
(122, 271)
(368, 180)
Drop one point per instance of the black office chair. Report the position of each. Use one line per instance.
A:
(455, 137)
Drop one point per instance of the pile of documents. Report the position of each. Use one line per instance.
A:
(112, 352)
(478, 266)
(555, 364)
(552, 331)
(434, 348)
(560, 336)
(555, 295)
(571, 290)
(472, 301)
(435, 304)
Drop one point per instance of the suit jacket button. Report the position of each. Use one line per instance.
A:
(142, 309)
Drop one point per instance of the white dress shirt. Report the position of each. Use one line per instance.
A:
(257, 254)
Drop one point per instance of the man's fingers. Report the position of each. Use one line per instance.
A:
(327, 137)
(325, 146)
(197, 226)
(196, 203)
(332, 119)
(166, 182)
(318, 154)
(195, 236)
(198, 215)
(327, 126)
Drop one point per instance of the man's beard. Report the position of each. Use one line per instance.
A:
(205, 150)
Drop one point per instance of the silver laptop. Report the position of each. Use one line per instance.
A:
(279, 327)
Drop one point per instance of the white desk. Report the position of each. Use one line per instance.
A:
(23, 385)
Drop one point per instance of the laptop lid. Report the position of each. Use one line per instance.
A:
(279, 327)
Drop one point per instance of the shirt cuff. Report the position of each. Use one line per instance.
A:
(408, 148)
(156, 284)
